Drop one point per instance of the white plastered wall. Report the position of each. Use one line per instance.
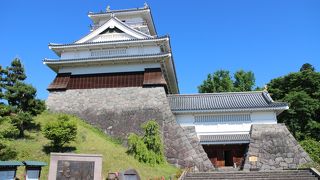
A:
(267, 117)
(129, 51)
(108, 68)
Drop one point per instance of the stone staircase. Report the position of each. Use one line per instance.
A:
(306, 174)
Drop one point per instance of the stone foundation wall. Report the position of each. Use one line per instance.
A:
(119, 111)
(275, 148)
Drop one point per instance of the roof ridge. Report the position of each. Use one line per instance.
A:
(226, 101)
(119, 11)
(267, 97)
(221, 93)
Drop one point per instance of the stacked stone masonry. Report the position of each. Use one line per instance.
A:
(275, 148)
(119, 111)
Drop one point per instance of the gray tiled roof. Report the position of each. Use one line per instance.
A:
(53, 45)
(224, 138)
(221, 102)
(107, 58)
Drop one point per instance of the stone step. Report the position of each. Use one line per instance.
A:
(254, 178)
(255, 174)
(259, 175)
(246, 172)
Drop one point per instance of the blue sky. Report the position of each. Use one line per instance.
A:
(271, 37)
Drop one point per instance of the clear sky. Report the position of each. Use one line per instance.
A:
(270, 37)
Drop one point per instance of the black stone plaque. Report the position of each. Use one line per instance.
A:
(75, 170)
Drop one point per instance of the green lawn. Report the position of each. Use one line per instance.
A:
(89, 141)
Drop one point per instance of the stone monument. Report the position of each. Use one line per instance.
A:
(66, 166)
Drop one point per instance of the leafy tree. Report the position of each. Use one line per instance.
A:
(300, 114)
(313, 128)
(149, 147)
(244, 81)
(5, 110)
(307, 66)
(23, 97)
(302, 91)
(6, 153)
(221, 81)
(20, 95)
(18, 102)
(23, 121)
(259, 88)
(7, 129)
(15, 72)
(61, 131)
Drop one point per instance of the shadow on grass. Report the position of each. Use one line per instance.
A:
(49, 148)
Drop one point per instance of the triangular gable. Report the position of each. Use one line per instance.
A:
(111, 30)
(111, 25)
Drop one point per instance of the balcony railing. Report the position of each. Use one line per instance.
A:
(138, 24)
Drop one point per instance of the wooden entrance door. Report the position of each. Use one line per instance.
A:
(228, 157)
(220, 158)
(225, 155)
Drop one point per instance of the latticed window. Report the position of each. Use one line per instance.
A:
(223, 119)
(108, 52)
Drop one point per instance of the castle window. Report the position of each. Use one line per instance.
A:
(223, 119)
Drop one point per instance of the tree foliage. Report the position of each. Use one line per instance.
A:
(307, 66)
(302, 91)
(221, 81)
(6, 153)
(244, 81)
(18, 100)
(313, 149)
(149, 147)
(61, 131)
(19, 95)
(23, 121)
(23, 97)
(7, 129)
(14, 73)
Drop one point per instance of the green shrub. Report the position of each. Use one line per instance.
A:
(137, 148)
(149, 147)
(6, 153)
(60, 131)
(313, 149)
(7, 129)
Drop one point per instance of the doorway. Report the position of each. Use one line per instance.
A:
(228, 158)
(226, 154)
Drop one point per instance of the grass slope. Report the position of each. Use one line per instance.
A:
(89, 140)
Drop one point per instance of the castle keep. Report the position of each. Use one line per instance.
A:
(122, 74)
